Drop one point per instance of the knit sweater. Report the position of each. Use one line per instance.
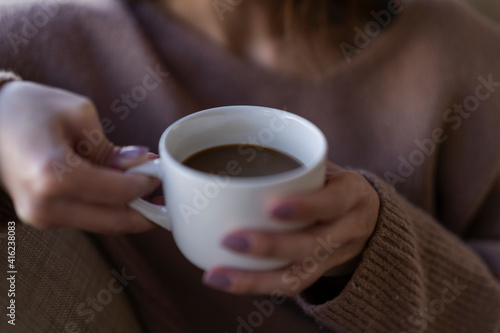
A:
(420, 123)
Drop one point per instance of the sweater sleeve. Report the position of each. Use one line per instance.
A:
(416, 276)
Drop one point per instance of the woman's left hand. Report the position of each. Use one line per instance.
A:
(346, 210)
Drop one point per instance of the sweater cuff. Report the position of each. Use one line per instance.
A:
(366, 298)
(6, 77)
(382, 290)
(405, 270)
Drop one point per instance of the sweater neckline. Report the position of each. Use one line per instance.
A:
(213, 50)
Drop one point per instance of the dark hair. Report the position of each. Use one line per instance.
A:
(313, 25)
(311, 15)
(314, 12)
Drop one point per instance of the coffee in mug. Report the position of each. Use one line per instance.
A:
(243, 160)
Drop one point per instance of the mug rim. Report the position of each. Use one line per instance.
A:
(169, 160)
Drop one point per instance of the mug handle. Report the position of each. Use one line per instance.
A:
(155, 213)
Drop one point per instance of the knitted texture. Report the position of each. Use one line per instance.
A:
(410, 280)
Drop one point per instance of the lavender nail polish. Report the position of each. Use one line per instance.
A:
(217, 280)
(123, 157)
(130, 152)
(236, 243)
(283, 212)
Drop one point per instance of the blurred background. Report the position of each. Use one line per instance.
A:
(490, 8)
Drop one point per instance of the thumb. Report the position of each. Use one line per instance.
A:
(96, 148)
(91, 143)
(126, 157)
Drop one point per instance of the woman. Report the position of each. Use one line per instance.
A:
(406, 93)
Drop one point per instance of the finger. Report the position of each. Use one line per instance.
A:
(151, 192)
(289, 281)
(89, 141)
(320, 241)
(339, 196)
(117, 219)
(85, 132)
(102, 185)
(126, 157)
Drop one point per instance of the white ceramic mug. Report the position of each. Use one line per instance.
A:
(201, 208)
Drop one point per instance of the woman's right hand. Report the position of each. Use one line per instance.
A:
(58, 166)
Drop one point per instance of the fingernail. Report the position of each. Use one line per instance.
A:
(153, 156)
(283, 212)
(132, 151)
(125, 155)
(237, 243)
(217, 280)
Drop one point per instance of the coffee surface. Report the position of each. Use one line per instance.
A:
(242, 160)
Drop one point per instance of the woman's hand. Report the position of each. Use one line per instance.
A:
(346, 210)
(53, 158)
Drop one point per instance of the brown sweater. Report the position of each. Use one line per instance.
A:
(422, 121)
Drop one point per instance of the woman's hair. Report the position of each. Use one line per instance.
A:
(313, 14)
(309, 15)
(313, 25)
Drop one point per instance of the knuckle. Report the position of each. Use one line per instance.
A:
(250, 284)
(265, 246)
(359, 187)
(36, 213)
(41, 190)
(362, 230)
(84, 104)
(80, 108)
(357, 181)
(85, 107)
(45, 185)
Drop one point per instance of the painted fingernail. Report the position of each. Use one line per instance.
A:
(237, 243)
(126, 155)
(283, 212)
(217, 280)
(132, 151)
